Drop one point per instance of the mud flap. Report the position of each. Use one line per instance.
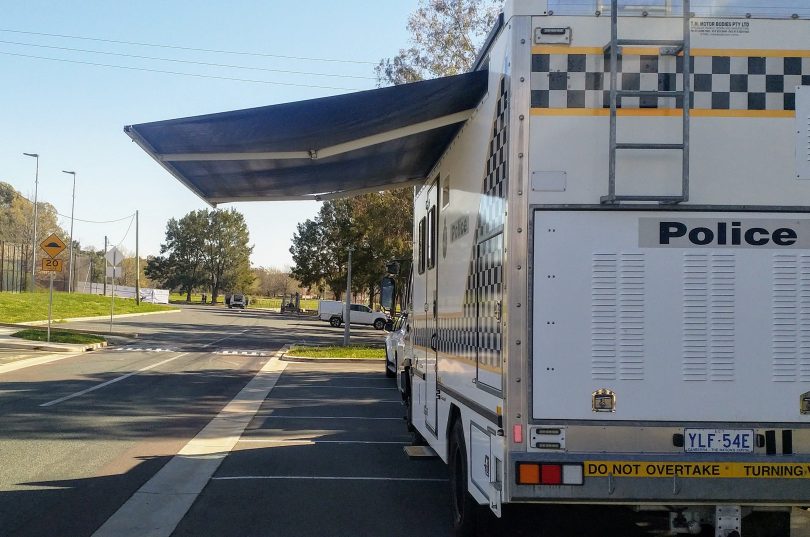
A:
(496, 474)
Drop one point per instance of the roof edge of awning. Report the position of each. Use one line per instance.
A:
(136, 137)
(330, 151)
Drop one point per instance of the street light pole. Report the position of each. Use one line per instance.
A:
(347, 316)
(34, 239)
(72, 208)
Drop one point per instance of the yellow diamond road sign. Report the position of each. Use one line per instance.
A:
(52, 246)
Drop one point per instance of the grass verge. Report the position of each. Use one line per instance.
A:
(25, 307)
(255, 301)
(361, 352)
(58, 336)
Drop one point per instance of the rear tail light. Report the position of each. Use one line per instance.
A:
(535, 473)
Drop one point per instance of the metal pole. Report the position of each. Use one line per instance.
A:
(137, 265)
(50, 308)
(72, 207)
(112, 300)
(347, 316)
(34, 238)
(105, 266)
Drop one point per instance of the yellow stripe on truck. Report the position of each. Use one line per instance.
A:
(703, 470)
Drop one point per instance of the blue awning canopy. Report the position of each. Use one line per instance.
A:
(316, 149)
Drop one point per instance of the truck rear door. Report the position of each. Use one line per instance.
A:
(686, 316)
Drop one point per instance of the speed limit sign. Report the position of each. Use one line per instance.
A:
(52, 265)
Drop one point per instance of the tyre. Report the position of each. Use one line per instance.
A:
(379, 324)
(464, 507)
(388, 373)
(335, 321)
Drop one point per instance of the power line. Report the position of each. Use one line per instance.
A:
(127, 233)
(186, 61)
(178, 73)
(177, 47)
(97, 221)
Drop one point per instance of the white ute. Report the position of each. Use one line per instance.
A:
(332, 312)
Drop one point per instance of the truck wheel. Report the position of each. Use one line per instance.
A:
(335, 321)
(465, 508)
(379, 324)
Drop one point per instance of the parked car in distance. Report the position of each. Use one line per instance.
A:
(237, 300)
(332, 312)
(395, 345)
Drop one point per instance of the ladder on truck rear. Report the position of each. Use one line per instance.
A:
(666, 48)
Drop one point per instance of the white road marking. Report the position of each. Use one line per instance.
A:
(30, 362)
(309, 441)
(113, 381)
(160, 504)
(224, 338)
(361, 401)
(328, 478)
(243, 353)
(324, 417)
(122, 377)
(144, 349)
(332, 387)
(341, 377)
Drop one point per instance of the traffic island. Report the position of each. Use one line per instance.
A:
(351, 353)
(60, 341)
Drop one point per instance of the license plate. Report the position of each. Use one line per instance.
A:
(718, 441)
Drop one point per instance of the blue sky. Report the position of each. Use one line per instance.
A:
(73, 114)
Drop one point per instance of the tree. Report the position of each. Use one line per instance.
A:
(204, 249)
(274, 282)
(227, 254)
(376, 226)
(183, 268)
(445, 37)
(16, 224)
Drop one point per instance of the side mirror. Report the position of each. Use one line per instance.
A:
(388, 289)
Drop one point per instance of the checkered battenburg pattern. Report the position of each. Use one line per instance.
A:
(719, 82)
(477, 332)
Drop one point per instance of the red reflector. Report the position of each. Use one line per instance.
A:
(551, 474)
(517, 434)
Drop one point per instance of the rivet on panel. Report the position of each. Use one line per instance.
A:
(517, 342)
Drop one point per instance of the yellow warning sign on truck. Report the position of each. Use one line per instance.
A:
(710, 470)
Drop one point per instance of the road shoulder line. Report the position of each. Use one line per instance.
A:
(160, 504)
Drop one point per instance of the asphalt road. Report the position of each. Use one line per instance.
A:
(322, 455)
(82, 434)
